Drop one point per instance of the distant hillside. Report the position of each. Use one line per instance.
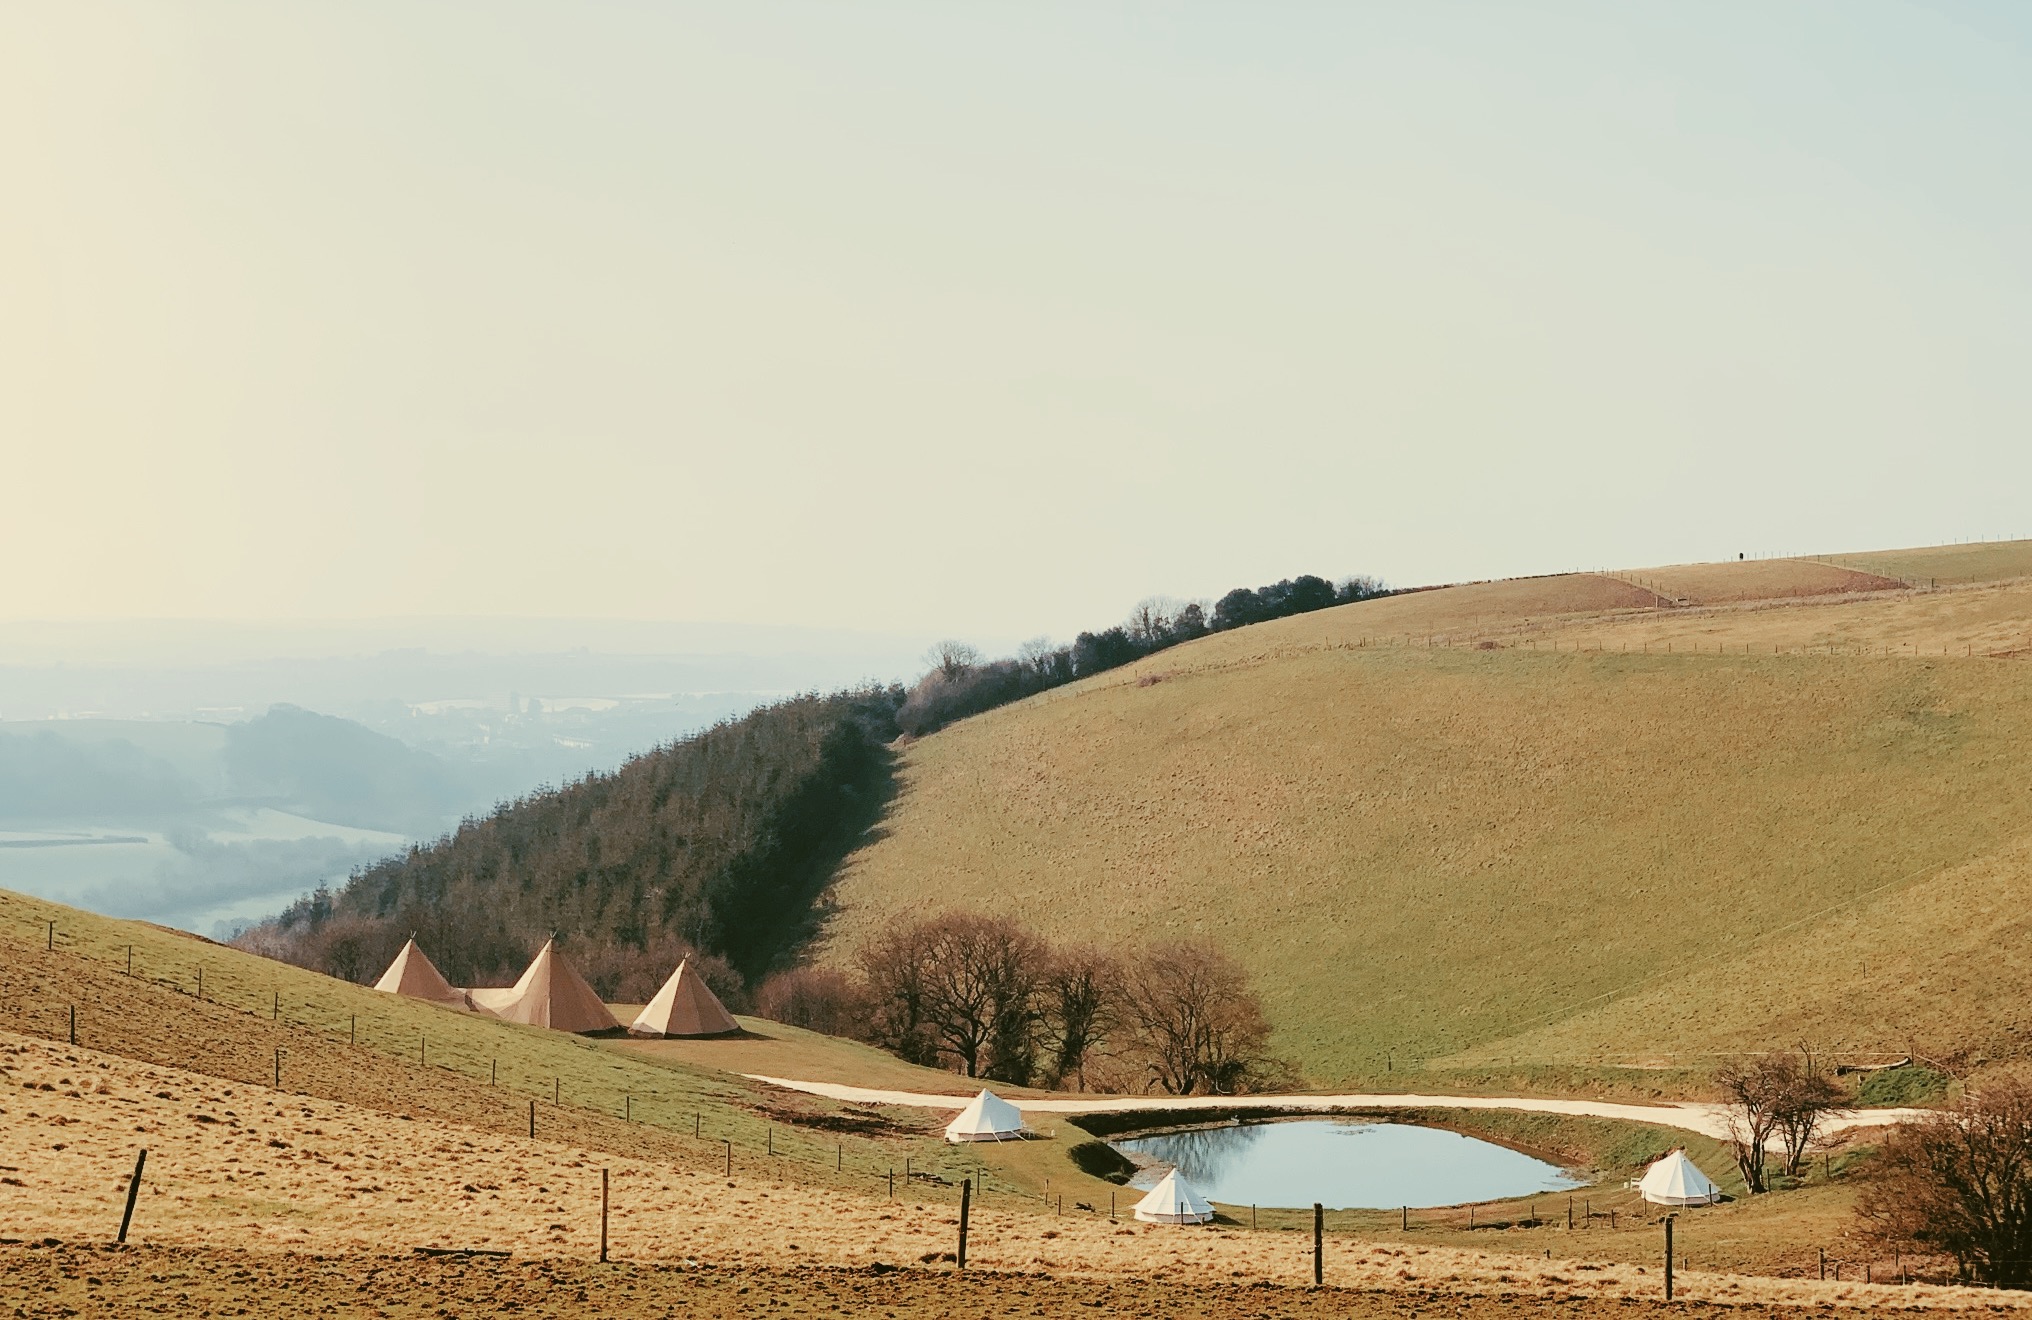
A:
(723, 843)
(1563, 821)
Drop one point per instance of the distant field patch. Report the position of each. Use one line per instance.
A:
(1757, 579)
(1981, 561)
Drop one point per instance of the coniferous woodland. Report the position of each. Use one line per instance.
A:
(720, 846)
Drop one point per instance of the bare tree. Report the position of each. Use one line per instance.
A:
(953, 658)
(1196, 1019)
(819, 999)
(1960, 1184)
(1081, 1004)
(965, 984)
(898, 1021)
(1035, 655)
(1807, 1096)
(1754, 1092)
(1150, 622)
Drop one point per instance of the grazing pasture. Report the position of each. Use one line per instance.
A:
(1478, 855)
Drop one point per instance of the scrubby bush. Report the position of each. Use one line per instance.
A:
(1959, 1185)
(815, 998)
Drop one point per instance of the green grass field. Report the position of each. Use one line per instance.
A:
(1520, 865)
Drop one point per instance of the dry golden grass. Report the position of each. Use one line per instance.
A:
(1957, 622)
(240, 1168)
(1733, 581)
(1429, 852)
(1981, 561)
(410, 1058)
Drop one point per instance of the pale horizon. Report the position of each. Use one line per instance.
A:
(989, 322)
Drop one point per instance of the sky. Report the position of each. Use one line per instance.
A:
(989, 319)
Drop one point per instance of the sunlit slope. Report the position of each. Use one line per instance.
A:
(1423, 851)
(350, 1043)
(1938, 964)
(1980, 561)
(1960, 621)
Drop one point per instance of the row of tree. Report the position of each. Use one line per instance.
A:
(962, 683)
(989, 998)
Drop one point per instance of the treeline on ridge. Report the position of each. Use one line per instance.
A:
(721, 844)
(960, 683)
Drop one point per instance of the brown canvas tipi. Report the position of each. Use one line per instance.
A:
(550, 994)
(412, 975)
(685, 1006)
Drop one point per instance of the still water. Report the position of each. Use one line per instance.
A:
(1343, 1164)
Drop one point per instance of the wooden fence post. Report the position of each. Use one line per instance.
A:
(133, 1189)
(730, 1157)
(353, 1031)
(278, 1067)
(603, 1216)
(74, 1024)
(1668, 1256)
(532, 1118)
(966, 1204)
(1318, 1245)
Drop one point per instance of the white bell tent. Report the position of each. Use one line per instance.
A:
(1674, 1180)
(1173, 1201)
(987, 1117)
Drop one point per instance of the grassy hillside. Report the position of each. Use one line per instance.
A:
(1465, 856)
(347, 1043)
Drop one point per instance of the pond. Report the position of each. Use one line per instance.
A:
(1344, 1164)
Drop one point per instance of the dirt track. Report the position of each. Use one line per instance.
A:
(1708, 1120)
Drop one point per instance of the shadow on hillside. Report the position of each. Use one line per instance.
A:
(774, 901)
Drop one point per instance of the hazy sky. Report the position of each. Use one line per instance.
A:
(989, 318)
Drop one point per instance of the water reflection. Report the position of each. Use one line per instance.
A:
(1344, 1164)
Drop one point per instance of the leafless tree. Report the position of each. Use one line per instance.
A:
(1035, 654)
(821, 999)
(1807, 1096)
(1081, 1007)
(1199, 1024)
(1960, 1184)
(1150, 622)
(892, 966)
(953, 658)
(968, 984)
(1754, 1092)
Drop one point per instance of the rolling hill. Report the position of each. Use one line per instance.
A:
(1567, 822)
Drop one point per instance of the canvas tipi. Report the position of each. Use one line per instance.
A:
(1173, 1201)
(413, 976)
(550, 994)
(987, 1117)
(1675, 1181)
(685, 1006)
